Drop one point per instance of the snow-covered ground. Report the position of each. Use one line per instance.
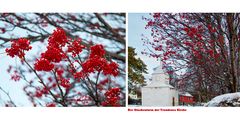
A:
(225, 100)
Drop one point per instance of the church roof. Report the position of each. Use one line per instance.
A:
(185, 94)
(159, 72)
(159, 86)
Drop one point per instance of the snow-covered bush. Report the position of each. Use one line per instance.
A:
(225, 100)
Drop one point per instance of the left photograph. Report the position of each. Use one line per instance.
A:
(62, 59)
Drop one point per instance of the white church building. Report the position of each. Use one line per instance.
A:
(159, 92)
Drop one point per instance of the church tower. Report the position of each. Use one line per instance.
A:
(159, 92)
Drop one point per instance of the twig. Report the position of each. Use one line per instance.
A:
(9, 97)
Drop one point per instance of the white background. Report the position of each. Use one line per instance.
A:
(120, 5)
(116, 117)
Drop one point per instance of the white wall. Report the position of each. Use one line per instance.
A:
(158, 96)
(174, 93)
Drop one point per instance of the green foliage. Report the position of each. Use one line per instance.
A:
(136, 68)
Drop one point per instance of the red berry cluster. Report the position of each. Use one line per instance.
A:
(65, 83)
(62, 81)
(18, 47)
(97, 51)
(58, 38)
(41, 91)
(59, 45)
(54, 51)
(76, 47)
(111, 69)
(43, 65)
(15, 76)
(97, 62)
(94, 64)
(112, 97)
(53, 54)
(51, 105)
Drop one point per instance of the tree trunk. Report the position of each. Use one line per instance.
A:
(232, 47)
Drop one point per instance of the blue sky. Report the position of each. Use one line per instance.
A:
(136, 27)
(14, 88)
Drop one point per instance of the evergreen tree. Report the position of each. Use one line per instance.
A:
(136, 68)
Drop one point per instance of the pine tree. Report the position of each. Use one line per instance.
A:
(136, 69)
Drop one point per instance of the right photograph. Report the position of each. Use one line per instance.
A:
(184, 59)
